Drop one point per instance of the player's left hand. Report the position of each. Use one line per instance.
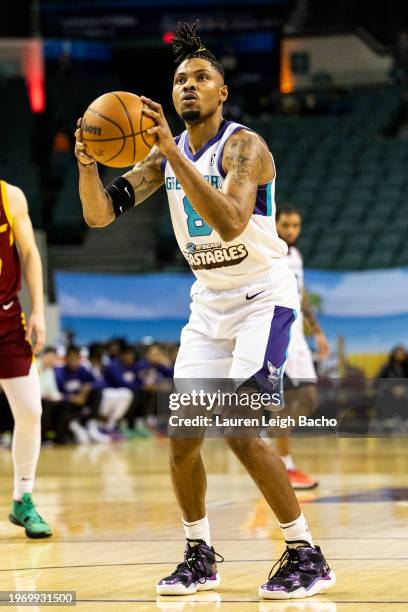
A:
(36, 326)
(322, 345)
(164, 137)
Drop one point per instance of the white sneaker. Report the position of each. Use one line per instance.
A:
(94, 434)
(79, 432)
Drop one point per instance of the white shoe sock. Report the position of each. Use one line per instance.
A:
(198, 530)
(288, 461)
(94, 433)
(80, 433)
(296, 530)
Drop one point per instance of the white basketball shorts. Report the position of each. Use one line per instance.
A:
(299, 366)
(238, 333)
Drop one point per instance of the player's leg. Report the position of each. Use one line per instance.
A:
(198, 356)
(301, 400)
(24, 397)
(303, 570)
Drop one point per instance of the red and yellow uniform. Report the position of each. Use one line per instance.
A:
(15, 352)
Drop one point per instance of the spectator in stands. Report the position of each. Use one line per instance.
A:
(392, 390)
(78, 387)
(46, 370)
(155, 357)
(113, 348)
(156, 373)
(115, 402)
(123, 371)
(57, 413)
(397, 364)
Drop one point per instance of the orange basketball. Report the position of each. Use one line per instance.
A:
(114, 129)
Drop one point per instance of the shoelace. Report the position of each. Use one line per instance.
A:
(195, 562)
(286, 564)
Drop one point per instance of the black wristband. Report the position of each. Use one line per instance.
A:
(122, 194)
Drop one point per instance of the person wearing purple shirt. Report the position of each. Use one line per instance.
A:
(77, 384)
(124, 371)
(155, 370)
(116, 401)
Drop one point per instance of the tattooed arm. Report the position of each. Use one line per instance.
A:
(247, 163)
(145, 178)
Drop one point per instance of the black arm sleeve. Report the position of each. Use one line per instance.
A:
(122, 194)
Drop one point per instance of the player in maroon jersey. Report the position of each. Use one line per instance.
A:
(18, 373)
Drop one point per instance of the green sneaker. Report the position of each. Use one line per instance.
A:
(24, 513)
(127, 432)
(143, 432)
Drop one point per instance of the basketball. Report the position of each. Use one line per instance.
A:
(114, 129)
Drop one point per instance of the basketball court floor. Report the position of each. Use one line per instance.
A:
(117, 527)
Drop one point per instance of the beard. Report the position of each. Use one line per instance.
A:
(191, 116)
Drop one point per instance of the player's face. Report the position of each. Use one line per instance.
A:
(289, 227)
(198, 90)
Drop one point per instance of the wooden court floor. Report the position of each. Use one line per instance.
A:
(117, 527)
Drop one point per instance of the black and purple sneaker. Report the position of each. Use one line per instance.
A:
(302, 572)
(198, 572)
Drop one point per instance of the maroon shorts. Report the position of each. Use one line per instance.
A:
(16, 355)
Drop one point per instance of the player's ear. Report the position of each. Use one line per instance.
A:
(224, 93)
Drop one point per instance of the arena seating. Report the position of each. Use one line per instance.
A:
(349, 182)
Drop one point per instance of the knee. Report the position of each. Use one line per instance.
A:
(243, 446)
(184, 450)
(29, 416)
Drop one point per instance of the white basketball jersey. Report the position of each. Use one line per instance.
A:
(295, 263)
(300, 366)
(218, 264)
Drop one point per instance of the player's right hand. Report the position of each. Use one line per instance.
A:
(80, 149)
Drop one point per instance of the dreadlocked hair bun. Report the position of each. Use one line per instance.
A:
(187, 44)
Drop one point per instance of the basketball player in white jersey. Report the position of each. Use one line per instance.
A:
(220, 180)
(301, 398)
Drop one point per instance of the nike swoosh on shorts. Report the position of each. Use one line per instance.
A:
(9, 305)
(251, 297)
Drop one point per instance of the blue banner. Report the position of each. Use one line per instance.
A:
(97, 307)
(369, 309)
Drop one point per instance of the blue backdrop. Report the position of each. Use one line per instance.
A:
(370, 308)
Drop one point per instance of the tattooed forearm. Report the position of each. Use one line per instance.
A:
(244, 157)
(146, 176)
(97, 205)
